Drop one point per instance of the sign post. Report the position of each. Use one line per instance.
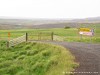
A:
(9, 36)
(81, 36)
(86, 31)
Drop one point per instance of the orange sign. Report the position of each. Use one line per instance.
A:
(8, 34)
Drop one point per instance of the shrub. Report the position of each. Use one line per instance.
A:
(66, 27)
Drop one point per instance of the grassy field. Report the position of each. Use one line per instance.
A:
(69, 35)
(39, 58)
(35, 59)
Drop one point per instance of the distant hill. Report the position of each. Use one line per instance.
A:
(45, 23)
(87, 20)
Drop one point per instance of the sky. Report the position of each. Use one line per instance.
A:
(50, 8)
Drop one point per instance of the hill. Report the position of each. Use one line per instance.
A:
(45, 23)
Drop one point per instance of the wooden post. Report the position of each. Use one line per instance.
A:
(26, 37)
(52, 36)
(81, 37)
(90, 39)
(40, 36)
(7, 44)
(9, 36)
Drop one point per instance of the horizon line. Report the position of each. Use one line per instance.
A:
(6, 17)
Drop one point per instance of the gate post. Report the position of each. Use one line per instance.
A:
(52, 36)
(7, 44)
(26, 37)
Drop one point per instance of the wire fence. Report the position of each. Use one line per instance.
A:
(40, 36)
(31, 37)
(13, 35)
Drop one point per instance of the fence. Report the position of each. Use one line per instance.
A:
(13, 35)
(16, 41)
(35, 36)
(40, 36)
(30, 37)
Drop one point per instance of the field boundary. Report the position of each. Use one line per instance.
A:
(26, 37)
(41, 36)
(17, 41)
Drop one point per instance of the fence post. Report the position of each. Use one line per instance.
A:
(52, 36)
(26, 37)
(7, 44)
(39, 36)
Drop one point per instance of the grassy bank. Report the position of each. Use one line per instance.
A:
(35, 59)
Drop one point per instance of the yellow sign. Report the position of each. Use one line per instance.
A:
(85, 29)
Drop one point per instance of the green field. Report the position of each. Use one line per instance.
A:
(69, 35)
(40, 58)
(35, 59)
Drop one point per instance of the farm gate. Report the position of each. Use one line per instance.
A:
(40, 36)
(31, 37)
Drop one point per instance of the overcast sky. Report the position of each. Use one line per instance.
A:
(49, 8)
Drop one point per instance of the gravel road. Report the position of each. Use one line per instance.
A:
(87, 55)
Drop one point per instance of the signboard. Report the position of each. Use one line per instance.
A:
(86, 31)
(9, 35)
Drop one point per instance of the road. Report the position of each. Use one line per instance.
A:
(87, 55)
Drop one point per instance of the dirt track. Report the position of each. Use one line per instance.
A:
(88, 55)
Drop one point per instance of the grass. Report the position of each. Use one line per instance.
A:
(35, 59)
(69, 35)
(2, 44)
